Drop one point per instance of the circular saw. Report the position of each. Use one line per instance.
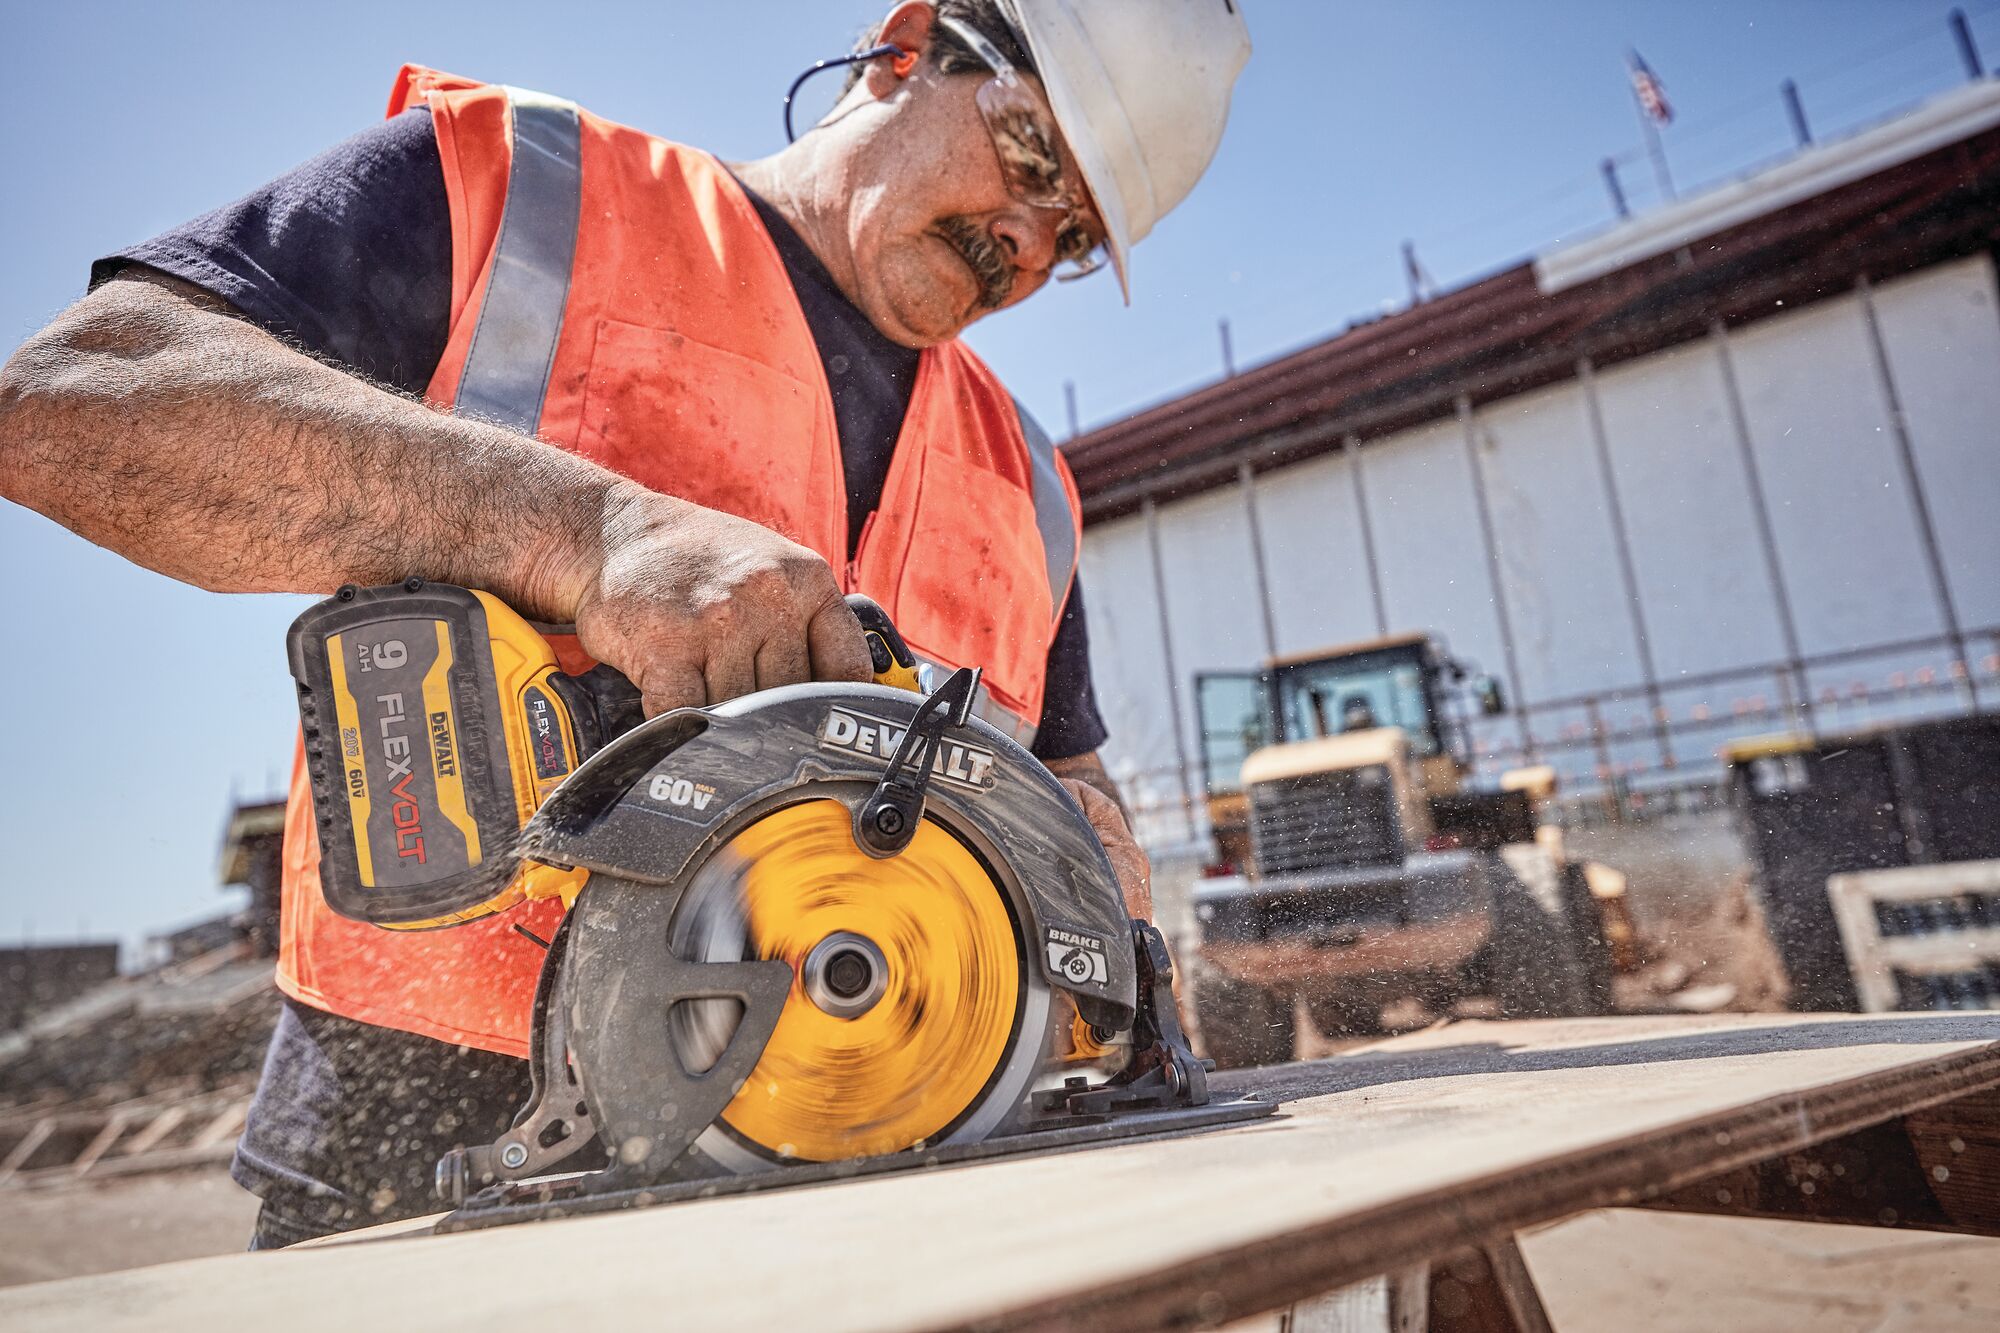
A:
(810, 925)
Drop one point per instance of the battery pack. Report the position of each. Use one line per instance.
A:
(435, 721)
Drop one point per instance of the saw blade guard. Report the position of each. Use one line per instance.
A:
(658, 801)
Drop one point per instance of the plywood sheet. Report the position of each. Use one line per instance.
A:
(1391, 1154)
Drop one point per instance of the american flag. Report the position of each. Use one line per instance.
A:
(1651, 93)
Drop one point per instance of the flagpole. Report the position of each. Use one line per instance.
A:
(1648, 126)
(1656, 150)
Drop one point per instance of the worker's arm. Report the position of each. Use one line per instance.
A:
(151, 421)
(1102, 804)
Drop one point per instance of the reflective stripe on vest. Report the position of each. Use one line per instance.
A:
(1052, 514)
(506, 375)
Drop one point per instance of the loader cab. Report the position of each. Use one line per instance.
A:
(1394, 682)
(1394, 685)
(1405, 683)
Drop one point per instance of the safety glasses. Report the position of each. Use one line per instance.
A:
(1026, 142)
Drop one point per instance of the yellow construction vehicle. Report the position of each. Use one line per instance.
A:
(1356, 868)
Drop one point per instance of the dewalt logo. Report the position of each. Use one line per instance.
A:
(444, 754)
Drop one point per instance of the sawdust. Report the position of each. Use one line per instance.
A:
(1708, 955)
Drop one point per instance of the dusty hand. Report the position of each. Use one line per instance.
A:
(1135, 873)
(698, 606)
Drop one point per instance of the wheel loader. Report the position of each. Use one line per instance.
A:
(1356, 868)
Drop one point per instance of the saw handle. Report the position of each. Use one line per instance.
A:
(888, 656)
(615, 700)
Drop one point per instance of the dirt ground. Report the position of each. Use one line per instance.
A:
(1651, 1272)
(1706, 956)
(47, 1233)
(1701, 941)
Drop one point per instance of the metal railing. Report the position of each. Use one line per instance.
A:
(1618, 759)
(1614, 743)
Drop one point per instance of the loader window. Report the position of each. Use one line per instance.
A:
(1382, 689)
(1233, 723)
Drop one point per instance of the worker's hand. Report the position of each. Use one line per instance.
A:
(698, 606)
(1134, 871)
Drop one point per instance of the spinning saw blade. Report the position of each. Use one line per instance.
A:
(913, 1016)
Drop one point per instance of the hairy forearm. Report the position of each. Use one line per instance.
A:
(151, 422)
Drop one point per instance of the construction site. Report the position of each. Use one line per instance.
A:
(1556, 721)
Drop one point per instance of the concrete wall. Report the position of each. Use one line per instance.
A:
(34, 977)
(1814, 422)
(1309, 518)
(1707, 600)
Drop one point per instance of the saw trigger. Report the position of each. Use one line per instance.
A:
(888, 656)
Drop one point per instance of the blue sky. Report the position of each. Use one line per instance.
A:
(136, 705)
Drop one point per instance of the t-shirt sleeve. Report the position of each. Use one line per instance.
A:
(1070, 723)
(349, 255)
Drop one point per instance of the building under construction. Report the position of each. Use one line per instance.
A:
(1725, 468)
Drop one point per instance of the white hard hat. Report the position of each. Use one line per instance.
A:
(1140, 89)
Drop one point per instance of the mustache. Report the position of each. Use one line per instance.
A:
(983, 256)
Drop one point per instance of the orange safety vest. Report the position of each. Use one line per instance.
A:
(618, 296)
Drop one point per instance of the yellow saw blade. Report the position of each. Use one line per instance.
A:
(909, 1001)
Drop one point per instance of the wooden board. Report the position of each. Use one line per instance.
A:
(1396, 1153)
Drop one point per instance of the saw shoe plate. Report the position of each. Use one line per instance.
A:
(946, 1049)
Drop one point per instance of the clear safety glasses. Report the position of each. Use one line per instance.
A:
(1025, 140)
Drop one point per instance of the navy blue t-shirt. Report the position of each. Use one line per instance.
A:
(349, 258)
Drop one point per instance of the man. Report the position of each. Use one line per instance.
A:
(680, 406)
(1357, 713)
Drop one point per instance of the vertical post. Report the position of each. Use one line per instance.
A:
(1615, 187)
(1899, 428)
(1069, 403)
(1658, 152)
(1798, 686)
(1499, 591)
(1246, 480)
(1413, 272)
(1628, 569)
(1151, 514)
(1228, 352)
(1614, 790)
(1649, 127)
(1968, 50)
(1797, 110)
(1351, 446)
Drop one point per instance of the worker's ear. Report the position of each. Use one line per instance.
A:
(910, 26)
